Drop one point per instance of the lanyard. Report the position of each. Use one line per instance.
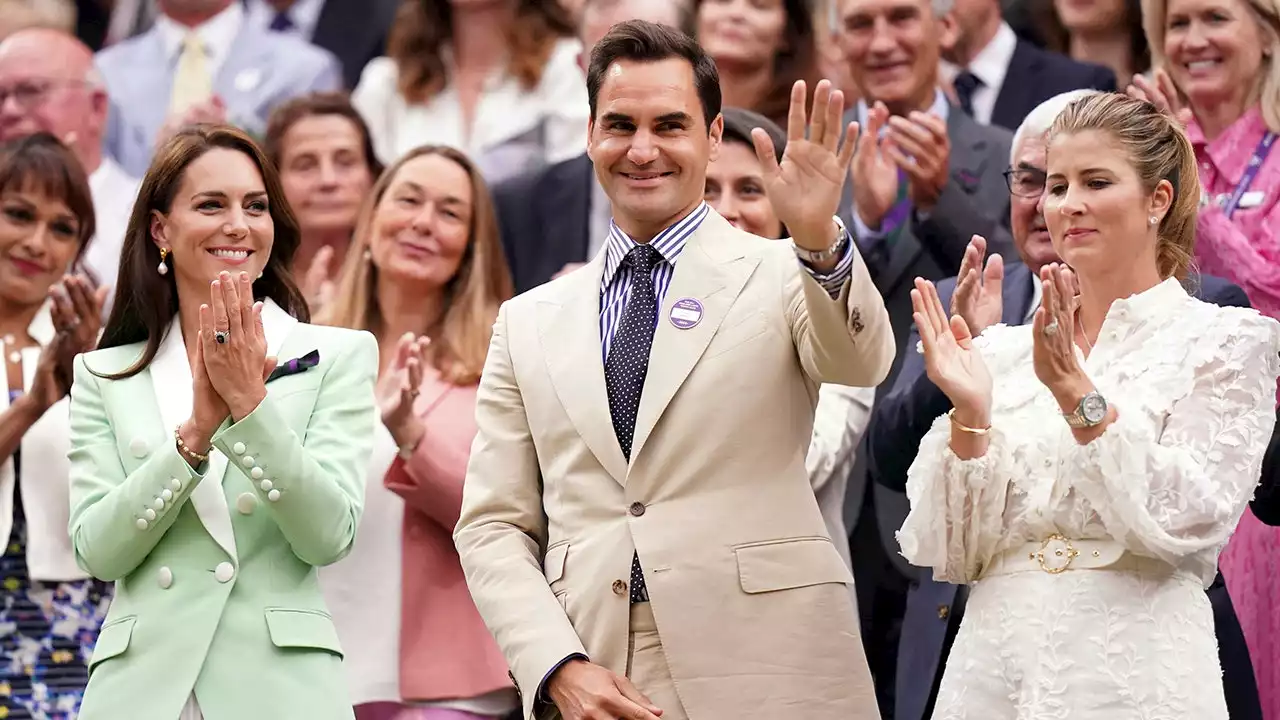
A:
(1255, 162)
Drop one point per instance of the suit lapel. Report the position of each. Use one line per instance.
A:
(569, 327)
(171, 380)
(712, 270)
(1015, 98)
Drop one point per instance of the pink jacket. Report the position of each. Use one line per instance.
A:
(1243, 248)
(445, 649)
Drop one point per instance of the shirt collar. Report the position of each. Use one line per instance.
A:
(1161, 299)
(1231, 151)
(992, 63)
(217, 33)
(940, 107)
(669, 243)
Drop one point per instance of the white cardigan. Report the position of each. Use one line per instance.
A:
(45, 471)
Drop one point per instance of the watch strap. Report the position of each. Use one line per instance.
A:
(836, 249)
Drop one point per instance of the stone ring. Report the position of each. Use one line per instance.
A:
(220, 336)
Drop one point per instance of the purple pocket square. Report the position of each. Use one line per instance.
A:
(295, 366)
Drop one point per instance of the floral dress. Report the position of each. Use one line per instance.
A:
(47, 631)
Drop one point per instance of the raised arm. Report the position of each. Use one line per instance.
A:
(431, 478)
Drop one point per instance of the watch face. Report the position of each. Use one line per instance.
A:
(1094, 408)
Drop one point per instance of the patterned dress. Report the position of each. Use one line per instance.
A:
(47, 631)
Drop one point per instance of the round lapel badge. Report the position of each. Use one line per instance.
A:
(686, 313)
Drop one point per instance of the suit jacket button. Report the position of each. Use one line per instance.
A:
(619, 587)
(246, 503)
(224, 572)
(943, 612)
(165, 578)
(637, 509)
(238, 448)
(138, 446)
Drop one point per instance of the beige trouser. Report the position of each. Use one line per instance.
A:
(647, 665)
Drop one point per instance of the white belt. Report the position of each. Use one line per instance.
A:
(1058, 554)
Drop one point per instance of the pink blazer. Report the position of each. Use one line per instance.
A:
(445, 649)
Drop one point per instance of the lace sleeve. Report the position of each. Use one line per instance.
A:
(1175, 491)
(956, 523)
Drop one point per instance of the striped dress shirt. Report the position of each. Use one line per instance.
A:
(615, 285)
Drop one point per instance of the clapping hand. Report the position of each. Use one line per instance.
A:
(874, 172)
(951, 359)
(1054, 332)
(234, 344)
(1162, 93)
(979, 294)
(317, 288)
(804, 189)
(921, 147)
(77, 319)
(398, 389)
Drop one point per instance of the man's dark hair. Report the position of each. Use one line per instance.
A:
(641, 41)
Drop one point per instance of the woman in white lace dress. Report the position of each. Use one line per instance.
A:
(1086, 495)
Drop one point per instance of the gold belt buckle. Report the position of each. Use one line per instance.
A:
(1066, 550)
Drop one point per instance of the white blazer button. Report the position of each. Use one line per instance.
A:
(142, 523)
(247, 460)
(175, 485)
(158, 504)
(246, 503)
(165, 578)
(238, 448)
(265, 485)
(167, 494)
(274, 495)
(149, 513)
(138, 446)
(256, 473)
(224, 572)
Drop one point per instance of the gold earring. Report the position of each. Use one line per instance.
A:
(162, 268)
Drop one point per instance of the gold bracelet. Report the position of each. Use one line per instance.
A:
(961, 426)
(182, 447)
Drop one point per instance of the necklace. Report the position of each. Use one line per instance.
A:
(15, 353)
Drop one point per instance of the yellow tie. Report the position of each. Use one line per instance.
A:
(191, 82)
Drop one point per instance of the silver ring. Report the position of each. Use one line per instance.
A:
(220, 336)
(1051, 329)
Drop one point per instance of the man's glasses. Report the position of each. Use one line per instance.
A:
(30, 93)
(1025, 182)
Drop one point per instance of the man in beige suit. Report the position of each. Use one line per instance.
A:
(638, 530)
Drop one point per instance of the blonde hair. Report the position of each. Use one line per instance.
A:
(1157, 149)
(1155, 22)
(460, 338)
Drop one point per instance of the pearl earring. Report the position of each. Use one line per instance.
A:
(1153, 220)
(162, 268)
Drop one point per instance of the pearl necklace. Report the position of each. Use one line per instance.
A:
(15, 353)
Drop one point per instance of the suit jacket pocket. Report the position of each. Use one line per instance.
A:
(740, 333)
(113, 640)
(791, 563)
(310, 629)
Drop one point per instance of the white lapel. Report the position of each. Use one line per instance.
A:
(171, 376)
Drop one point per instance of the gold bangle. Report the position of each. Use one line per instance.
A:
(182, 447)
(965, 428)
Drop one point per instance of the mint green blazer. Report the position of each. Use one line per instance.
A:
(215, 573)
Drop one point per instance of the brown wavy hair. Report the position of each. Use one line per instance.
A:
(41, 163)
(316, 104)
(147, 301)
(460, 338)
(1158, 149)
(423, 28)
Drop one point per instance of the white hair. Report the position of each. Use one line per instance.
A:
(1039, 120)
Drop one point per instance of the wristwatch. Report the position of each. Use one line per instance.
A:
(1091, 411)
(817, 257)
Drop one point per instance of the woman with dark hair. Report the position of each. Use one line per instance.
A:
(324, 153)
(761, 48)
(497, 79)
(50, 609)
(218, 451)
(1106, 32)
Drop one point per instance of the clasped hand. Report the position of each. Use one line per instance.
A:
(398, 389)
(1054, 337)
(229, 377)
(77, 320)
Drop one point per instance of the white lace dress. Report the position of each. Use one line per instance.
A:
(1194, 386)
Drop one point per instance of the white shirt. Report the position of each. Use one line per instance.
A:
(114, 192)
(217, 33)
(304, 14)
(514, 130)
(840, 418)
(991, 65)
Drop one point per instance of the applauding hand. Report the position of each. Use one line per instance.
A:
(951, 360)
(1054, 338)
(234, 344)
(398, 389)
(979, 293)
(804, 189)
(874, 172)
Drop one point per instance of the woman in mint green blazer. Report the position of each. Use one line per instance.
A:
(218, 452)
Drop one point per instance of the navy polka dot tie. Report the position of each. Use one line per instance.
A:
(627, 365)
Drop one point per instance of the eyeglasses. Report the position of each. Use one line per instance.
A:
(1025, 182)
(30, 93)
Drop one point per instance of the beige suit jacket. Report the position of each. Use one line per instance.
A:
(751, 598)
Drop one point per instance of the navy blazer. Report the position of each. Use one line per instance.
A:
(544, 217)
(900, 421)
(1035, 75)
(1266, 500)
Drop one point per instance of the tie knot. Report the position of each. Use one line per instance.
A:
(642, 258)
(281, 22)
(191, 43)
(966, 82)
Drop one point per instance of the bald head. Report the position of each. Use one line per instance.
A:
(48, 83)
